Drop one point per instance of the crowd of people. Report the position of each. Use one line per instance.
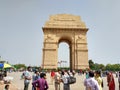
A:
(93, 79)
(4, 78)
(39, 81)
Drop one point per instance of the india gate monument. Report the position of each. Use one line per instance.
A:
(65, 28)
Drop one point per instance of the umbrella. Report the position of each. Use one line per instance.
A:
(1, 65)
(5, 65)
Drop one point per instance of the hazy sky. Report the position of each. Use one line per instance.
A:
(21, 22)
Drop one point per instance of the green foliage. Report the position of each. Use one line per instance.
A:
(101, 66)
(91, 64)
(113, 67)
(19, 66)
(109, 67)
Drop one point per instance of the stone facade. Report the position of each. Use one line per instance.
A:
(65, 28)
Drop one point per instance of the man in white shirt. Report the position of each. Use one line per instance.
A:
(27, 78)
(90, 83)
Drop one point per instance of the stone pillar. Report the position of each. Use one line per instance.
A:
(50, 55)
(81, 51)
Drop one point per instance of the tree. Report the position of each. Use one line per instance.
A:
(109, 67)
(19, 66)
(91, 65)
(101, 66)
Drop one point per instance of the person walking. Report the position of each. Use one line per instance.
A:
(41, 82)
(110, 80)
(90, 83)
(27, 78)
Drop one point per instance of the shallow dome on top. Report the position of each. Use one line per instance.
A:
(64, 21)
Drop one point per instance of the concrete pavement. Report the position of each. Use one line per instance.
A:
(18, 84)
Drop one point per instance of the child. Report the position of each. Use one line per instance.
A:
(6, 87)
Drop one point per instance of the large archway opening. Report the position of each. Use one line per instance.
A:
(63, 55)
(64, 52)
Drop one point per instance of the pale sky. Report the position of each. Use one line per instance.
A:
(21, 22)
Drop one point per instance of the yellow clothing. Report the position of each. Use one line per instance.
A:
(99, 80)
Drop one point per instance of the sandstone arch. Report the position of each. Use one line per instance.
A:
(68, 28)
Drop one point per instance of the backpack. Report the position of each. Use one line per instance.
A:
(71, 80)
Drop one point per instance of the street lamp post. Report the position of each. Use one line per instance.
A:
(59, 62)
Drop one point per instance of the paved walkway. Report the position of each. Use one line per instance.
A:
(18, 84)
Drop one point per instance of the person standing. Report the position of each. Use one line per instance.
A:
(57, 80)
(110, 80)
(90, 83)
(35, 77)
(99, 79)
(27, 78)
(41, 82)
(65, 77)
(52, 76)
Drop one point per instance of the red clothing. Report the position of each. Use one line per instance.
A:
(110, 80)
(52, 74)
